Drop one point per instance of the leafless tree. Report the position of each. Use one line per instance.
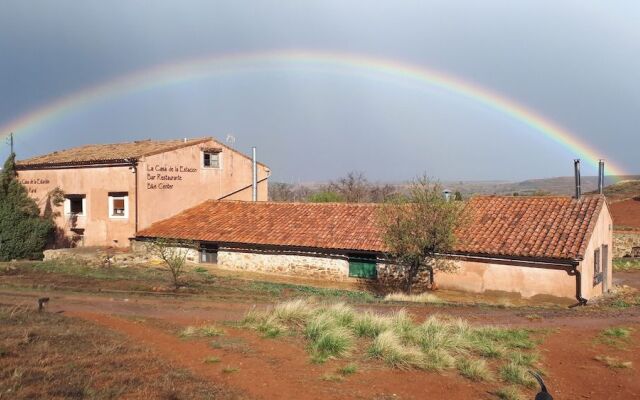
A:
(174, 255)
(353, 188)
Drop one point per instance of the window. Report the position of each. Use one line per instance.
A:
(119, 205)
(209, 254)
(363, 266)
(211, 159)
(597, 270)
(75, 204)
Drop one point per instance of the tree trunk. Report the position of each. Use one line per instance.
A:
(411, 274)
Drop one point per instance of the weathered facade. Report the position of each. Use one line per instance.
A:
(112, 191)
(529, 246)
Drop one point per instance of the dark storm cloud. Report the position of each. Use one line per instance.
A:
(575, 62)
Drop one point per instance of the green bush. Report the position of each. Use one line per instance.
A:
(23, 231)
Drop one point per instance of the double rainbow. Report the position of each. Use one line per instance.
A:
(199, 68)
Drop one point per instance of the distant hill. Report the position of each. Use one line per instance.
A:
(564, 185)
(623, 190)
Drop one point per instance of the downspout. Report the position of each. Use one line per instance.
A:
(581, 300)
(134, 167)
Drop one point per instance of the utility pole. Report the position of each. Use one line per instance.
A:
(11, 142)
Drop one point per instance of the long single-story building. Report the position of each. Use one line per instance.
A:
(532, 246)
(113, 190)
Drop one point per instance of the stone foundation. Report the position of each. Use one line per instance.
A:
(323, 266)
(626, 244)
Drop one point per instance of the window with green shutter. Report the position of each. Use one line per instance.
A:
(362, 266)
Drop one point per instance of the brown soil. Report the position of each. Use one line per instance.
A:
(280, 368)
(626, 213)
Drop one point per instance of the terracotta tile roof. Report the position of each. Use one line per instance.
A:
(107, 153)
(317, 225)
(523, 227)
(529, 227)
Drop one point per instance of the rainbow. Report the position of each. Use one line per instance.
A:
(199, 68)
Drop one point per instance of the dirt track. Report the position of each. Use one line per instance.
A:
(280, 369)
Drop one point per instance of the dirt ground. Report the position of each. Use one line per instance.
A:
(280, 368)
(626, 213)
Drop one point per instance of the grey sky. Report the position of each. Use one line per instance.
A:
(576, 62)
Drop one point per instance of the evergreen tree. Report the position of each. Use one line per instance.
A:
(23, 231)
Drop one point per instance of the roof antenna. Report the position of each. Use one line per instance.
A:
(184, 140)
(231, 139)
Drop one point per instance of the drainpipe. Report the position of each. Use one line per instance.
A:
(134, 167)
(581, 300)
(254, 184)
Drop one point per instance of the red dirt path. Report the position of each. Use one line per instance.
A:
(280, 369)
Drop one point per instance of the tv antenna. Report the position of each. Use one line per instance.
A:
(231, 139)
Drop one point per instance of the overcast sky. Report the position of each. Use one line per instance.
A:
(575, 62)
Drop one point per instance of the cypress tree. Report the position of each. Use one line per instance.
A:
(23, 231)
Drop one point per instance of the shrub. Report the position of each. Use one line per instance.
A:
(23, 230)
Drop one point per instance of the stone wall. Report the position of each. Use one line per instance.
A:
(97, 256)
(624, 243)
(323, 266)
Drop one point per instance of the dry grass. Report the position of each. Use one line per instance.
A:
(428, 298)
(49, 356)
(613, 362)
(439, 343)
(201, 331)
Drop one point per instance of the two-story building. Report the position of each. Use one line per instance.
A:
(111, 191)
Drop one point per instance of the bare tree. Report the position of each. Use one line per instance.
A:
(419, 230)
(280, 191)
(353, 188)
(174, 255)
(381, 193)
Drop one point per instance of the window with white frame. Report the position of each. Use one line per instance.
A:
(75, 204)
(211, 159)
(118, 205)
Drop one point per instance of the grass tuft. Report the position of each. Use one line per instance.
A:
(229, 369)
(201, 331)
(348, 369)
(509, 393)
(335, 342)
(517, 374)
(474, 369)
(613, 362)
(388, 347)
(370, 325)
(428, 298)
(211, 360)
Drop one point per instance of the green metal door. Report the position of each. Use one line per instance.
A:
(362, 268)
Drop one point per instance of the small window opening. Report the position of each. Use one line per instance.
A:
(75, 204)
(211, 159)
(209, 253)
(118, 204)
(597, 267)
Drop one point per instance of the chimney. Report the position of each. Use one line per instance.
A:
(254, 183)
(184, 140)
(576, 168)
(601, 177)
